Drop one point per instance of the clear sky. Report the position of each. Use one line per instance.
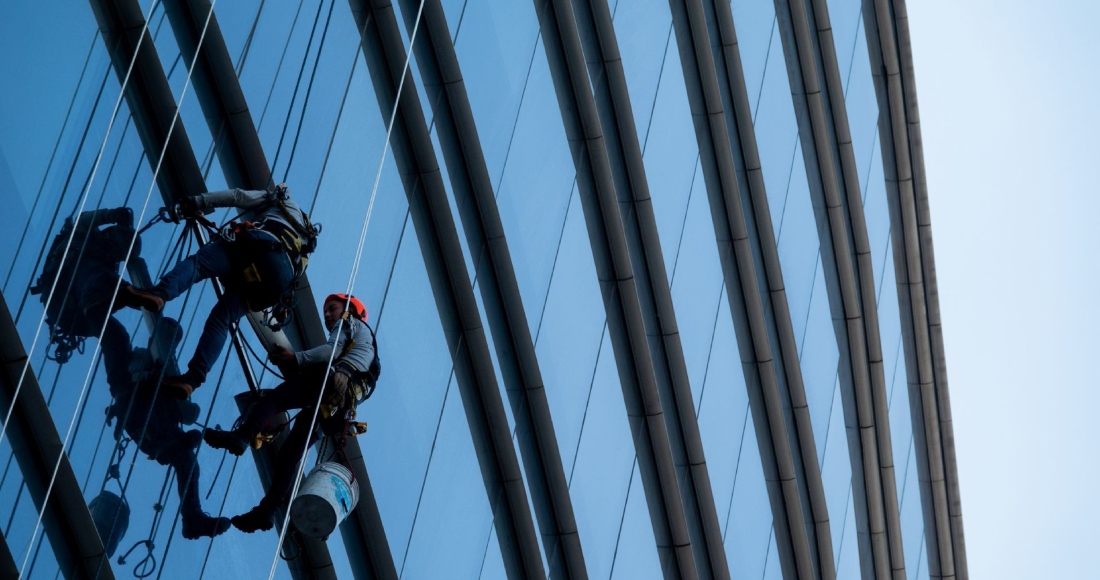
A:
(1008, 95)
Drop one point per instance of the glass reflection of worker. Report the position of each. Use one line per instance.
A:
(156, 423)
(349, 381)
(258, 266)
(85, 279)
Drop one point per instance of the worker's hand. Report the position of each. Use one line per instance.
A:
(280, 354)
(285, 360)
(191, 206)
(339, 387)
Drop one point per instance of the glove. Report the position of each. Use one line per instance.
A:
(338, 388)
(191, 206)
(284, 359)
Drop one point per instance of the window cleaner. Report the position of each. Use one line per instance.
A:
(259, 260)
(351, 380)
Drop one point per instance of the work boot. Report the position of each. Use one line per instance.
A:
(201, 525)
(260, 518)
(235, 442)
(133, 297)
(179, 386)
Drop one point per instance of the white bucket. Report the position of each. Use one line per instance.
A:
(325, 499)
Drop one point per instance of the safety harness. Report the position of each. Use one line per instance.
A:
(268, 257)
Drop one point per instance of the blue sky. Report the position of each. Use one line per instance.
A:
(1009, 119)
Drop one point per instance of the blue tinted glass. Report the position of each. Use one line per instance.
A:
(681, 205)
(528, 156)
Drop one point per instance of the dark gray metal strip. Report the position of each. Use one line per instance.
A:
(605, 68)
(620, 289)
(519, 366)
(758, 215)
(244, 165)
(888, 40)
(383, 48)
(849, 277)
(8, 568)
(38, 448)
(754, 286)
(153, 107)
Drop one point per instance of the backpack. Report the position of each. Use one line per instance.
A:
(107, 245)
(369, 377)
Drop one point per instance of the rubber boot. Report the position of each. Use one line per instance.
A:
(235, 441)
(201, 525)
(180, 387)
(260, 518)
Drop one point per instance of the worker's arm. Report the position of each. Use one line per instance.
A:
(320, 354)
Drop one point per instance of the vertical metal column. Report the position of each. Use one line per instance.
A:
(754, 285)
(818, 93)
(519, 366)
(38, 448)
(886, 24)
(384, 51)
(605, 68)
(657, 462)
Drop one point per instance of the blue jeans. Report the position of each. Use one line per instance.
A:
(212, 260)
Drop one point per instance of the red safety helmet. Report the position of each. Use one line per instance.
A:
(355, 308)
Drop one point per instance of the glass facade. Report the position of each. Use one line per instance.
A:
(474, 245)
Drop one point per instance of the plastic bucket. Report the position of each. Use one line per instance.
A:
(325, 499)
(111, 517)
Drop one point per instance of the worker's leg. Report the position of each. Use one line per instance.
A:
(294, 393)
(169, 444)
(294, 448)
(228, 310)
(211, 260)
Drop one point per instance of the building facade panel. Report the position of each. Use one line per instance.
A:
(311, 97)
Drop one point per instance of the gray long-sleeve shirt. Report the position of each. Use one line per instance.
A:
(256, 201)
(359, 355)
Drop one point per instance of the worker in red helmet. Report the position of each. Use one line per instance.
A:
(349, 381)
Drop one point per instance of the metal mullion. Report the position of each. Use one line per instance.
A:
(597, 34)
(620, 288)
(791, 491)
(385, 55)
(758, 211)
(475, 198)
(37, 447)
(8, 568)
(818, 129)
(857, 226)
(888, 41)
(153, 107)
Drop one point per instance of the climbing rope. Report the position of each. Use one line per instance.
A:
(351, 282)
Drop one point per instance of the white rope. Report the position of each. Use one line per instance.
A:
(118, 283)
(351, 285)
(83, 201)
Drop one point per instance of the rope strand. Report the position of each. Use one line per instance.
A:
(351, 281)
(129, 251)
